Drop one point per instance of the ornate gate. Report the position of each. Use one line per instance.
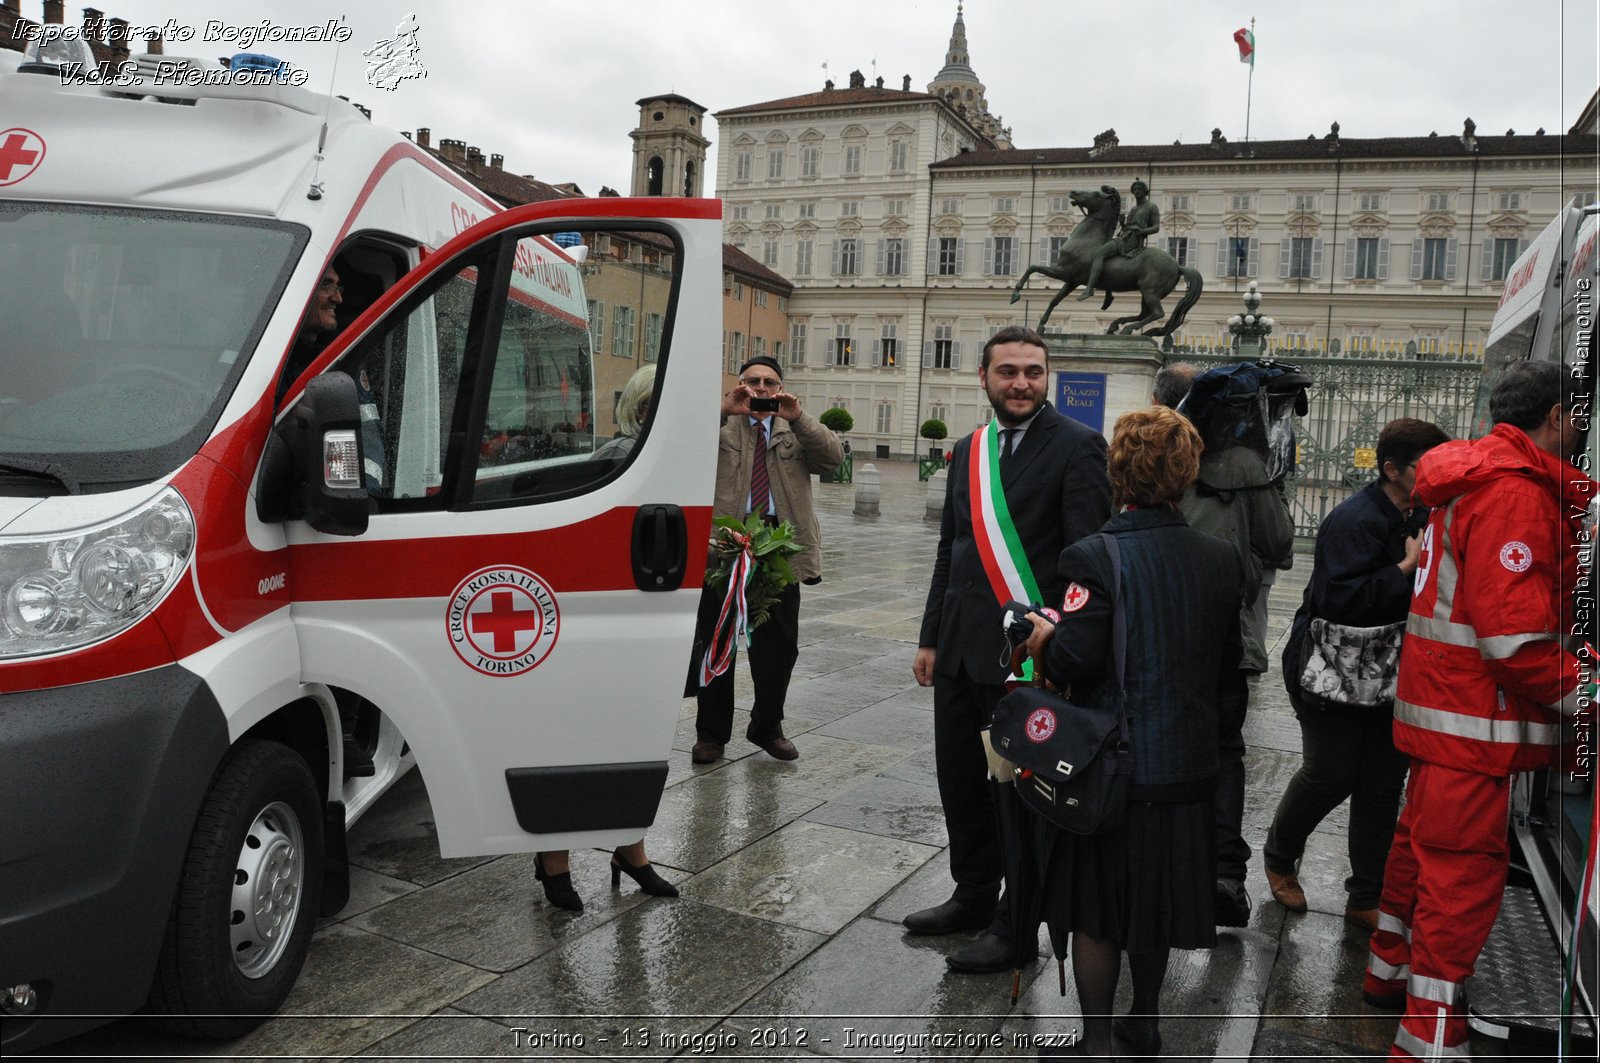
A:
(1351, 401)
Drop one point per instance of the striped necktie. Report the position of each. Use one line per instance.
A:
(760, 485)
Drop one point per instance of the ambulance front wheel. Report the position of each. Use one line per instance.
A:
(241, 924)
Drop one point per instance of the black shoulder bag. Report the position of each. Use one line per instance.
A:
(1072, 764)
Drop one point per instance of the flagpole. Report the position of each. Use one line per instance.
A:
(1251, 83)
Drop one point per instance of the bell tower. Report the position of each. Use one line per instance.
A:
(669, 147)
(959, 86)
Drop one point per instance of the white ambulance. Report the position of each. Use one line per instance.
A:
(227, 553)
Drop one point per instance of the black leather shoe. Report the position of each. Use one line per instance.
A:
(1142, 1032)
(557, 888)
(951, 917)
(1233, 903)
(357, 761)
(645, 876)
(988, 954)
(705, 752)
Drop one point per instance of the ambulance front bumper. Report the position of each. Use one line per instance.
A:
(100, 784)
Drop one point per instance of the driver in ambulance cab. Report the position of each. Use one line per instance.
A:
(318, 328)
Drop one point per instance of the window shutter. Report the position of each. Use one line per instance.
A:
(988, 255)
(1222, 255)
(1350, 259)
(1450, 259)
(877, 351)
(1522, 247)
(927, 353)
(1383, 258)
(1253, 264)
(1486, 269)
(955, 354)
(880, 245)
(833, 257)
(1316, 258)
(933, 258)
(1285, 248)
(1044, 252)
(1416, 259)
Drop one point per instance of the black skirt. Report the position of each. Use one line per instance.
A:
(1149, 886)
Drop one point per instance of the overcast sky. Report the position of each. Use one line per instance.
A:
(552, 86)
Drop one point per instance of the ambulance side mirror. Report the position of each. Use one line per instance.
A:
(312, 469)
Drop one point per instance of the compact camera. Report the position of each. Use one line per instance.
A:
(1015, 623)
(760, 405)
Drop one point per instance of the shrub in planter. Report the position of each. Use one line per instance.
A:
(933, 430)
(837, 419)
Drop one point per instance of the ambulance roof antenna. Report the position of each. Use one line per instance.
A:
(315, 192)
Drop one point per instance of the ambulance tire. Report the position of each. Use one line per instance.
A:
(262, 818)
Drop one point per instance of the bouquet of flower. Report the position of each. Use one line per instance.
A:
(751, 567)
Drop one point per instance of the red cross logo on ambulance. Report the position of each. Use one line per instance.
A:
(1516, 556)
(21, 152)
(1041, 725)
(503, 620)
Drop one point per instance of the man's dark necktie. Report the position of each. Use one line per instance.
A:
(760, 485)
(1009, 447)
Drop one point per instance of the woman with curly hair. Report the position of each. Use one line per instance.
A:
(1149, 887)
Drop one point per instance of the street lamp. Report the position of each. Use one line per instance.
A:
(1250, 329)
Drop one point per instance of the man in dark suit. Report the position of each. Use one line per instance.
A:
(1052, 472)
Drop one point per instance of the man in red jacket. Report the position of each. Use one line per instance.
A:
(1485, 681)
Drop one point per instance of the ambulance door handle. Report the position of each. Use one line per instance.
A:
(660, 547)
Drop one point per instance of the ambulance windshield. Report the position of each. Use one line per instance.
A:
(122, 334)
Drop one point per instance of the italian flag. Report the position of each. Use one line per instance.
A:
(1247, 45)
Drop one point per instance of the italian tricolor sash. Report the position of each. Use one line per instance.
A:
(1000, 548)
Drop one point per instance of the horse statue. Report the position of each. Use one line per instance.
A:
(1151, 272)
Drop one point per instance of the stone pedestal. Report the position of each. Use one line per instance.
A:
(937, 483)
(869, 490)
(1099, 378)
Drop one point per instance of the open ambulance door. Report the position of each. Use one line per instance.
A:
(520, 605)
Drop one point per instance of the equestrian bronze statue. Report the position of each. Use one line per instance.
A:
(1150, 271)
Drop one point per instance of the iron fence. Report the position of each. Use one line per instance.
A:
(1351, 401)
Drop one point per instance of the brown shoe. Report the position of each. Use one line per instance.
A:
(778, 746)
(1287, 892)
(1365, 919)
(705, 752)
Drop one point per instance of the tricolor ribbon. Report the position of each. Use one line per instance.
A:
(727, 637)
(1005, 562)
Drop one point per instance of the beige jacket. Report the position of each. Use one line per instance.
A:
(795, 450)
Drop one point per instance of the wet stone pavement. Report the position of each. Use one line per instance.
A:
(787, 940)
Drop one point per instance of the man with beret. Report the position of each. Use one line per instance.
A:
(765, 460)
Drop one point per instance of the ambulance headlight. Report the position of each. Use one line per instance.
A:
(63, 592)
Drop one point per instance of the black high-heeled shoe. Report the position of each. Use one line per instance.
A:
(557, 888)
(645, 876)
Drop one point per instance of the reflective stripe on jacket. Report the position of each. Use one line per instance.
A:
(1485, 674)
